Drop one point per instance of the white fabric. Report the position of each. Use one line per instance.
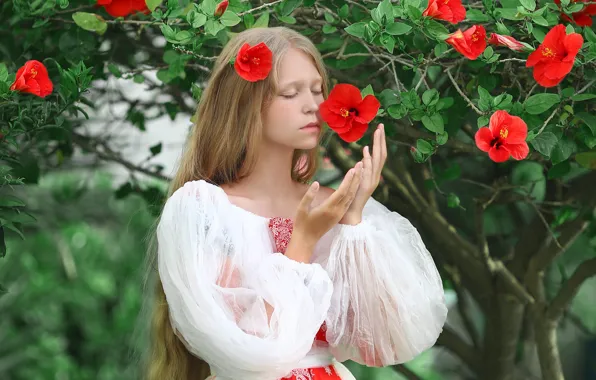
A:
(374, 284)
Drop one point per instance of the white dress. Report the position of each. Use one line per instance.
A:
(374, 286)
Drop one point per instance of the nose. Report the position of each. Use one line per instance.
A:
(310, 103)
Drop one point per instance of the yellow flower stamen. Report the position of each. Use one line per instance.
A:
(504, 132)
(33, 73)
(344, 112)
(548, 52)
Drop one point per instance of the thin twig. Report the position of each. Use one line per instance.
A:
(448, 71)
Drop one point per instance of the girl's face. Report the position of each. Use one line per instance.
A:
(292, 119)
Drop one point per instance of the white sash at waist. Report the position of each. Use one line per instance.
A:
(316, 357)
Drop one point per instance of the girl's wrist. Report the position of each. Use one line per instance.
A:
(351, 218)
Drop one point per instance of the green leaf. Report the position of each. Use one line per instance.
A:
(397, 111)
(327, 29)
(398, 28)
(356, 30)
(386, 10)
(3, 72)
(544, 143)
(208, 6)
(389, 42)
(586, 159)
(229, 18)
(530, 176)
(249, 20)
(437, 30)
(262, 21)
(442, 138)
(528, 4)
(482, 121)
(453, 200)
(582, 97)
(138, 78)
(430, 97)
(90, 22)
(424, 146)
(590, 35)
(196, 19)
(213, 27)
(563, 150)
(485, 101)
(184, 37)
(440, 49)
(292, 20)
(288, 6)
(589, 119)
(114, 70)
(344, 11)
(153, 4)
(559, 170)
(368, 90)
(540, 20)
(475, 15)
(10, 201)
(156, 149)
(433, 123)
(539, 103)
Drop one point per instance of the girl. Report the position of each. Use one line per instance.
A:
(263, 276)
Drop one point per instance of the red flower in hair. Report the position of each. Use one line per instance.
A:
(505, 136)
(347, 113)
(448, 10)
(123, 8)
(253, 63)
(510, 42)
(583, 17)
(33, 78)
(470, 43)
(554, 58)
(221, 8)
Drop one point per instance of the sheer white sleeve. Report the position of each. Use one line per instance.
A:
(388, 302)
(219, 289)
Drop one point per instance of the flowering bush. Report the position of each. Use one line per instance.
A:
(488, 108)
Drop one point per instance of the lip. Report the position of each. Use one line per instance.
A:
(311, 126)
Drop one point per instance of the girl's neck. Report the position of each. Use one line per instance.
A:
(271, 178)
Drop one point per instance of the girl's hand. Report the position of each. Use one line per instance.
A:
(371, 175)
(311, 223)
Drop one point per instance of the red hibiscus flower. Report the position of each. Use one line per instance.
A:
(221, 8)
(123, 8)
(553, 59)
(470, 43)
(505, 136)
(347, 113)
(33, 78)
(448, 10)
(581, 18)
(510, 42)
(253, 63)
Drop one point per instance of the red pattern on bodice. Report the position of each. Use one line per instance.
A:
(282, 228)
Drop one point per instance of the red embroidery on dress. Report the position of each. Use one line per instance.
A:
(282, 232)
(318, 373)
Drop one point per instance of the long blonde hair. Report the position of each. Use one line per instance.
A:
(222, 148)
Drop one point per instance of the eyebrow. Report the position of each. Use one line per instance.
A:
(300, 82)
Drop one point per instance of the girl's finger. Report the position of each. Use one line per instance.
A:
(383, 145)
(368, 168)
(376, 154)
